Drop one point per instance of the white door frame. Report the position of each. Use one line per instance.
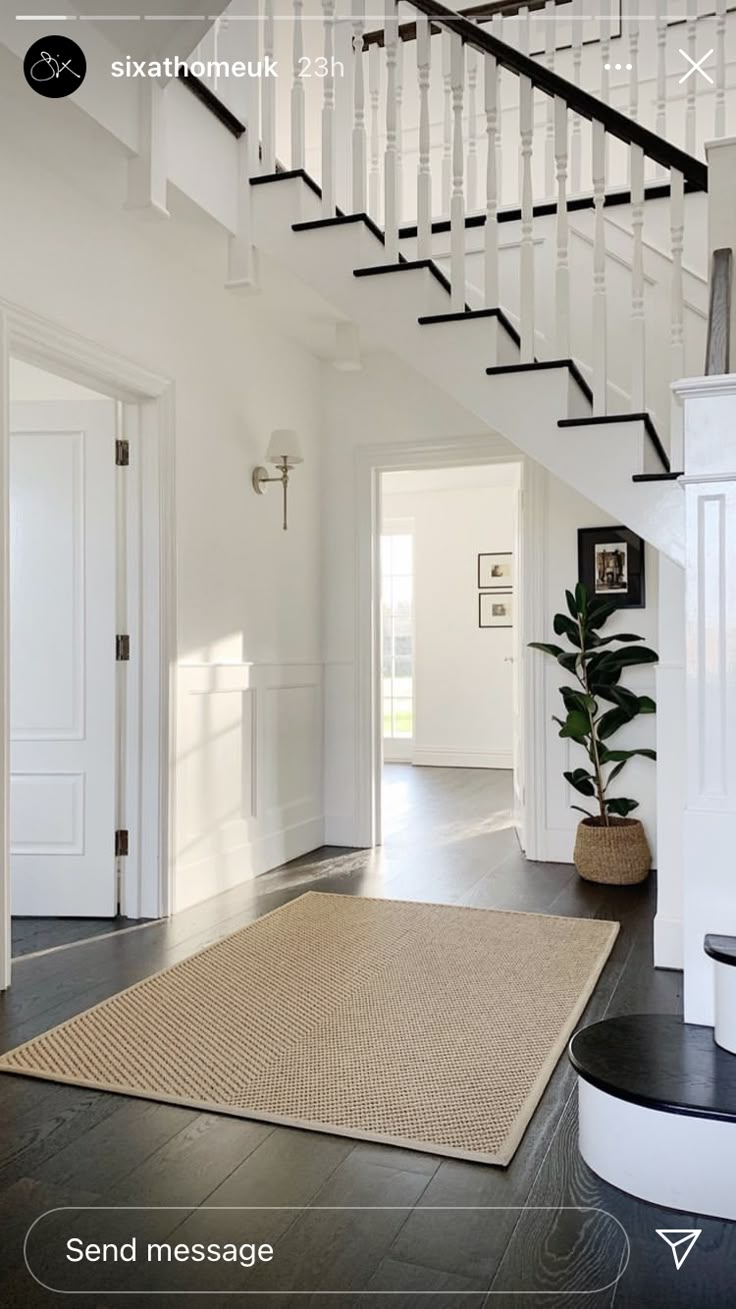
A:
(147, 416)
(370, 462)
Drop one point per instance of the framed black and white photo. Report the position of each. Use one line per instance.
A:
(496, 571)
(611, 565)
(496, 609)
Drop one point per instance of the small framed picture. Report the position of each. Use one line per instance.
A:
(496, 571)
(496, 609)
(611, 564)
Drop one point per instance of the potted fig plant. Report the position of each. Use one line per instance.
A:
(610, 846)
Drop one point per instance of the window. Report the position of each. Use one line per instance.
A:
(397, 582)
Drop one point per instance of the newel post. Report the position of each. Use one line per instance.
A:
(709, 844)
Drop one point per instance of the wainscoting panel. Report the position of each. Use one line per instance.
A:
(249, 772)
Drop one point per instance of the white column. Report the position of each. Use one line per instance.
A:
(359, 136)
(297, 87)
(471, 189)
(692, 89)
(549, 59)
(242, 267)
(390, 175)
(491, 227)
(677, 310)
(268, 123)
(562, 266)
(638, 323)
(600, 304)
(576, 144)
(457, 199)
(709, 898)
(526, 279)
(424, 175)
(329, 152)
(661, 119)
(374, 89)
(721, 156)
(446, 120)
(632, 25)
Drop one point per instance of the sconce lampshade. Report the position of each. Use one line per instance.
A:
(284, 445)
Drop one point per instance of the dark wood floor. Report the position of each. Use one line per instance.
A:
(31, 935)
(448, 838)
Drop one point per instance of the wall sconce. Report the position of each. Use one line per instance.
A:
(284, 451)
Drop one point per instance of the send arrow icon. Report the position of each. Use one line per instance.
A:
(680, 1240)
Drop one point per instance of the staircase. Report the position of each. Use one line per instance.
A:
(657, 1096)
(616, 439)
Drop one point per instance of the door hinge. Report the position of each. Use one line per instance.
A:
(122, 453)
(121, 843)
(122, 648)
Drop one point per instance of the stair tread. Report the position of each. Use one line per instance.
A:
(340, 220)
(659, 1062)
(405, 266)
(657, 477)
(468, 315)
(721, 948)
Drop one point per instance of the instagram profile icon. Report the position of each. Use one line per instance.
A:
(54, 67)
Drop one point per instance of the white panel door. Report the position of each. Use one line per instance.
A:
(62, 658)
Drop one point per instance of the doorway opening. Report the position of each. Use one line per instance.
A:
(450, 703)
(74, 680)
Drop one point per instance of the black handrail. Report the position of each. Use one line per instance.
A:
(481, 14)
(718, 348)
(579, 101)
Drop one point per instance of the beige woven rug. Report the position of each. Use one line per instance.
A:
(428, 1026)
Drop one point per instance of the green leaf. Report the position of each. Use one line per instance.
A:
(571, 605)
(581, 599)
(611, 721)
(629, 754)
(620, 636)
(545, 648)
(569, 662)
(615, 772)
(647, 705)
(564, 626)
(581, 781)
(620, 806)
(599, 611)
(575, 699)
(576, 726)
(638, 654)
(587, 812)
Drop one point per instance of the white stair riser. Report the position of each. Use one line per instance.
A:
(724, 976)
(677, 1161)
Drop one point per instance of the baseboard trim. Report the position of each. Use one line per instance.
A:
(211, 876)
(442, 757)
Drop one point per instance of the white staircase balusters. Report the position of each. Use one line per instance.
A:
(690, 102)
(424, 174)
(524, 25)
(638, 324)
(549, 59)
(720, 105)
(359, 135)
(472, 164)
(297, 87)
(661, 118)
(600, 305)
(604, 29)
(497, 30)
(490, 87)
(526, 277)
(457, 199)
(399, 122)
(390, 179)
(374, 91)
(268, 99)
(446, 120)
(562, 264)
(633, 32)
(328, 111)
(576, 144)
(677, 235)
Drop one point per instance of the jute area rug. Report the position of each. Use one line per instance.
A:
(427, 1026)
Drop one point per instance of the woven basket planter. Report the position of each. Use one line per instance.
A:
(618, 854)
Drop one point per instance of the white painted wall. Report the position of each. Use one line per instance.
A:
(248, 702)
(566, 512)
(387, 417)
(462, 673)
